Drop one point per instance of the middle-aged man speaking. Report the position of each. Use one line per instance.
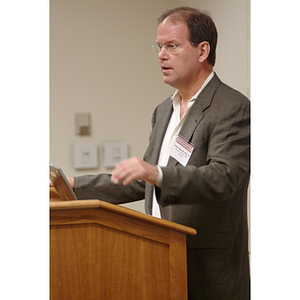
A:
(196, 168)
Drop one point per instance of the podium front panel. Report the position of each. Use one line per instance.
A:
(101, 254)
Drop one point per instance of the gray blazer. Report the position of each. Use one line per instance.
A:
(209, 194)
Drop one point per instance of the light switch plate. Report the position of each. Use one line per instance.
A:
(113, 153)
(85, 156)
(83, 124)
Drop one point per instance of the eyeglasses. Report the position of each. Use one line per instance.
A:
(171, 48)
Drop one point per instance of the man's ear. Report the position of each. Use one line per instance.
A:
(204, 49)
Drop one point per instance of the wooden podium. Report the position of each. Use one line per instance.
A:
(103, 251)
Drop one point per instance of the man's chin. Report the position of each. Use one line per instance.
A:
(168, 80)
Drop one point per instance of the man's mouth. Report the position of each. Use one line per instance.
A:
(165, 69)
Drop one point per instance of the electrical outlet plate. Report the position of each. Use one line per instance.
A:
(113, 153)
(85, 156)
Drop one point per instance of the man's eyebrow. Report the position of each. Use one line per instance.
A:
(171, 41)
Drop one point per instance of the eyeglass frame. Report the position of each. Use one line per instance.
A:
(160, 46)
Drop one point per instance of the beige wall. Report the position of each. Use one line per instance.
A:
(102, 63)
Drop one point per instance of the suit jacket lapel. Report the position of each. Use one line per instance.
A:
(161, 127)
(195, 114)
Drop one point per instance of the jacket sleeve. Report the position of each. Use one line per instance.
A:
(100, 187)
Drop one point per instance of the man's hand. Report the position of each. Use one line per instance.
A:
(132, 169)
(70, 179)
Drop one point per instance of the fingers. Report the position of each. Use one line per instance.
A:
(127, 171)
(133, 169)
(115, 177)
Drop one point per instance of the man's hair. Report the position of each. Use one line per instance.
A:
(200, 25)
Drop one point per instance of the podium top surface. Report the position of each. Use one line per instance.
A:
(98, 204)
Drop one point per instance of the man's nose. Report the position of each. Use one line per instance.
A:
(163, 53)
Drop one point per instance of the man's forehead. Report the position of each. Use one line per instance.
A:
(172, 30)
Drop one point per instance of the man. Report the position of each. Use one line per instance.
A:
(196, 168)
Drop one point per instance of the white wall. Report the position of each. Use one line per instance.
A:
(102, 63)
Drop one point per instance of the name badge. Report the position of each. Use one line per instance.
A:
(182, 151)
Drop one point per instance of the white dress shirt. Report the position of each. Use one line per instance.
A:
(171, 134)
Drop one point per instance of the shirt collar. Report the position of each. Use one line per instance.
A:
(177, 98)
